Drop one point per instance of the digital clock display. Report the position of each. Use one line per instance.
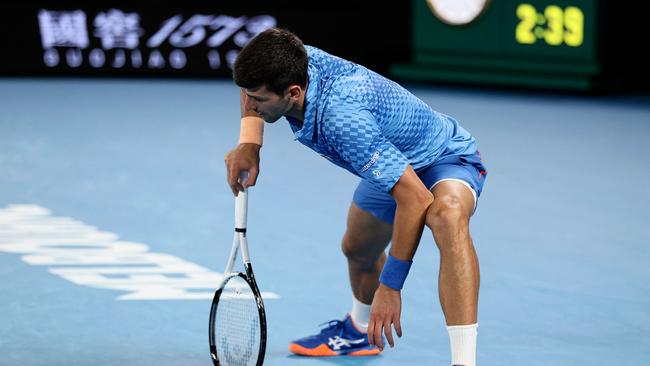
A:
(554, 26)
(547, 43)
(552, 29)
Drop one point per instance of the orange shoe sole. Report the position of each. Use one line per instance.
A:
(324, 351)
(366, 352)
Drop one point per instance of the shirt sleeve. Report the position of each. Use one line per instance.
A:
(352, 131)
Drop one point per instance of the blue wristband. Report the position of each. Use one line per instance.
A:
(394, 273)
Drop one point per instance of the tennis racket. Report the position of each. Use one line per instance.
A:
(237, 318)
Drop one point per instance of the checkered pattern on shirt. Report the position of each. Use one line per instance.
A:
(372, 126)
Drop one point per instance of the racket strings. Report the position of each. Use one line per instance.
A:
(237, 325)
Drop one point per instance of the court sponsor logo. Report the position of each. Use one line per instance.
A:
(86, 256)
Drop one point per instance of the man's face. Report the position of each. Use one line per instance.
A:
(267, 104)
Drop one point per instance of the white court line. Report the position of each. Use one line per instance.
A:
(85, 256)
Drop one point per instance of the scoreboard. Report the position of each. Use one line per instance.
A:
(556, 44)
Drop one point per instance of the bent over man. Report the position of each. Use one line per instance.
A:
(418, 167)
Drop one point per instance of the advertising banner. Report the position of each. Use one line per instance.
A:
(198, 39)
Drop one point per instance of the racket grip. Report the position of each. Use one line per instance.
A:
(241, 204)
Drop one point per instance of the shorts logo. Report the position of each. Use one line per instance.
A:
(373, 159)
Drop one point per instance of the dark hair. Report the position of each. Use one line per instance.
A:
(275, 58)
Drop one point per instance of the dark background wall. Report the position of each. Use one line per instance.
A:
(195, 38)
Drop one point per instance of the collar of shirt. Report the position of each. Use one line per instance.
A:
(305, 132)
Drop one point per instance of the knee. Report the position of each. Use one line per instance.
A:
(354, 247)
(446, 215)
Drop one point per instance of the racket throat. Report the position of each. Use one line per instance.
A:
(248, 267)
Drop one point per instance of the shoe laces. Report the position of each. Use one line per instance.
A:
(332, 326)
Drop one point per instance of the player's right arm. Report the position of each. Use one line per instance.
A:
(246, 156)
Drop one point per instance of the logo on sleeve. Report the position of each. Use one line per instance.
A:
(373, 160)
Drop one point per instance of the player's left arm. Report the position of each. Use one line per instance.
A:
(354, 133)
(413, 199)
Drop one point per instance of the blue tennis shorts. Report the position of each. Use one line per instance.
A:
(467, 169)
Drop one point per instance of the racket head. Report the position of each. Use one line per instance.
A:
(237, 323)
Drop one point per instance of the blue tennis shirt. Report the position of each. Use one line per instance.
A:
(370, 125)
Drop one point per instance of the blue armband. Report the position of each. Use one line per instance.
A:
(394, 273)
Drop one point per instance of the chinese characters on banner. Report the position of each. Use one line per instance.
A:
(117, 39)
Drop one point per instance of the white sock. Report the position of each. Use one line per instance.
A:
(463, 344)
(360, 314)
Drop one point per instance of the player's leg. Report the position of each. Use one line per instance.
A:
(368, 232)
(456, 182)
(448, 218)
(363, 244)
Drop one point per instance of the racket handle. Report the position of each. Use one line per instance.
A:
(241, 204)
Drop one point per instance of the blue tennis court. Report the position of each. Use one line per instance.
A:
(116, 222)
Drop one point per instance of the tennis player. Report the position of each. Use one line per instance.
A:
(418, 167)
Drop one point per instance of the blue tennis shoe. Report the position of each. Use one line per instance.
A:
(338, 338)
